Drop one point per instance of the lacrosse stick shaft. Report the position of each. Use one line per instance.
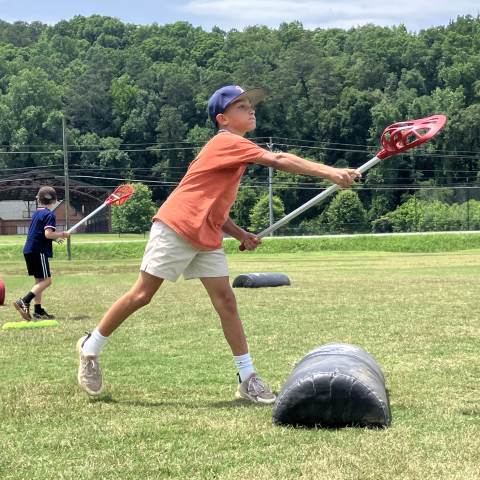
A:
(87, 218)
(58, 205)
(396, 138)
(314, 201)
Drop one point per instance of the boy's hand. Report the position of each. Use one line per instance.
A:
(250, 241)
(343, 177)
(62, 236)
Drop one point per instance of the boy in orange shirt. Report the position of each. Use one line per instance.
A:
(187, 233)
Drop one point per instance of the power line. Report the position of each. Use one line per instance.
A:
(179, 176)
(34, 168)
(287, 143)
(291, 146)
(276, 140)
(168, 168)
(114, 178)
(263, 185)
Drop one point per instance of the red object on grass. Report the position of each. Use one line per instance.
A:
(2, 292)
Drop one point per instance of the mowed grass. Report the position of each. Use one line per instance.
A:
(168, 409)
(6, 240)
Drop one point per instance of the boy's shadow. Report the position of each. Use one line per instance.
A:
(78, 317)
(224, 404)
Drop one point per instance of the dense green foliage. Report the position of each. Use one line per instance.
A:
(420, 215)
(260, 214)
(135, 100)
(344, 214)
(135, 216)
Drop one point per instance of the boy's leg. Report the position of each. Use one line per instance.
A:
(23, 304)
(89, 346)
(166, 257)
(225, 303)
(137, 297)
(40, 286)
(223, 299)
(39, 268)
(38, 295)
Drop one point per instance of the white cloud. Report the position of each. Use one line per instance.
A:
(330, 13)
(415, 14)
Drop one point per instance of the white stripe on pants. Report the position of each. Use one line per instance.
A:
(44, 265)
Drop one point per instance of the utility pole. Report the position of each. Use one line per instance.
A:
(270, 187)
(468, 207)
(67, 185)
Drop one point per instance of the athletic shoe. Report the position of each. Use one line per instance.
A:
(89, 372)
(255, 390)
(23, 309)
(43, 316)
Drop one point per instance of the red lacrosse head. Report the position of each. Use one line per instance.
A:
(402, 136)
(121, 194)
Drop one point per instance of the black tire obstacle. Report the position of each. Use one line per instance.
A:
(335, 385)
(258, 280)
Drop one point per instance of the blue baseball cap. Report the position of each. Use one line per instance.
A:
(228, 94)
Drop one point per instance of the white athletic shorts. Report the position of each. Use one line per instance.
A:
(168, 255)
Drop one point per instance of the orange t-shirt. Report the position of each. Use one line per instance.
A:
(198, 208)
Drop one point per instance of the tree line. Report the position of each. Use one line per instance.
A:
(135, 99)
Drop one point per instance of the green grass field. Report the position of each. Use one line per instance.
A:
(131, 246)
(168, 409)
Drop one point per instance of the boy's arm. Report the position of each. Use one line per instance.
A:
(248, 239)
(53, 235)
(294, 164)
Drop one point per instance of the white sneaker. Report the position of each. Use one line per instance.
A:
(89, 372)
(254, 389)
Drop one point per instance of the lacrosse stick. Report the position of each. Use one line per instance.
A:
(396, 138)
(121, 194)
(58, 205)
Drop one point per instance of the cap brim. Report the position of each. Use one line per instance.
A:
(255, 95)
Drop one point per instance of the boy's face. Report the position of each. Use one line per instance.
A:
(239, 117)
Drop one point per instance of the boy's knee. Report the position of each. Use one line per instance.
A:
(141, 298)
(228, 301)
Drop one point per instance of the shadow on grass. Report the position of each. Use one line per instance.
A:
(471, 412)
(78, 317)
(225, 404)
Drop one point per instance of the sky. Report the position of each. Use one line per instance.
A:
(228, 14)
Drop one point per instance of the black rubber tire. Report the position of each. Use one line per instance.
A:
(259, 280)
(335, 385)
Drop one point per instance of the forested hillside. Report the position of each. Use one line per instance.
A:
(135, 101)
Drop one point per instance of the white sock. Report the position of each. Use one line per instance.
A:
(94, 345)
(244, 364)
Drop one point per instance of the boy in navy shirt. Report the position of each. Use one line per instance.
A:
(37, 251)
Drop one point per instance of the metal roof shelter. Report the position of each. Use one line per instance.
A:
(83, 196)
(24, 186)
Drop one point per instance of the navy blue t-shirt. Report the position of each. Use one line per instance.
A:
(36, 241)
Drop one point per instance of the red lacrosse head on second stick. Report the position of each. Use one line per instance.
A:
(121, 194)
(402, 136)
